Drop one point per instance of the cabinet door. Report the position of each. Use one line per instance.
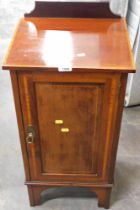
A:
(72, 117)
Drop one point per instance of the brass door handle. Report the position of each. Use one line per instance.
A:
(30, 134)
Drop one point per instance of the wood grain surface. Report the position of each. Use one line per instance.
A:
(51, 43)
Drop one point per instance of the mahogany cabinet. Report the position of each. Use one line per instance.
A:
(69, 77)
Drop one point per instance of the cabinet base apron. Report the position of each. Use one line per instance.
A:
(102, 191)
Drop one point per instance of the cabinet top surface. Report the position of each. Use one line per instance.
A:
(50, 43)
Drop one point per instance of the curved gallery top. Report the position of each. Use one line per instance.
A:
(88, 9)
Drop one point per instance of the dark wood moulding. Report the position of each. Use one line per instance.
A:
(72, 9)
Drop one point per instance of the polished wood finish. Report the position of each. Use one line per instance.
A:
(91, 44)
(72, 9)
(88, 100)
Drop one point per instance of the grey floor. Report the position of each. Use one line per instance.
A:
(13, 193)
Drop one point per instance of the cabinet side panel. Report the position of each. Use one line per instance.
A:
(14, 79)
(113, 153)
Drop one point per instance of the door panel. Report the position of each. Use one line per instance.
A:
(77, 105)
(83, 106)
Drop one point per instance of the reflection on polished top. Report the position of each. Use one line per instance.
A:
(50, 43)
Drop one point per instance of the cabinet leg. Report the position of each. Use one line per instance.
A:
(104, 197)
(35, 195)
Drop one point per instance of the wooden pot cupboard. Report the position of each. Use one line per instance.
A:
(69, 70)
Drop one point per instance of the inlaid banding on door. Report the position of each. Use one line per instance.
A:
(88, 104)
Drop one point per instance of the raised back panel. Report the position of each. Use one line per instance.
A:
(72, 9)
